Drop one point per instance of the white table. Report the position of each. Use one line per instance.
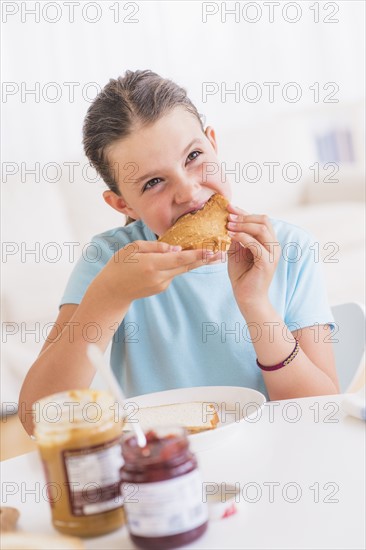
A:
(302, 482)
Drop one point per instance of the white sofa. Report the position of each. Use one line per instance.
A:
(33, 284)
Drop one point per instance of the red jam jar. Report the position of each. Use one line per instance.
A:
(162, 490)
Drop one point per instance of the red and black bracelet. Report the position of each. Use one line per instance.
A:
(283, 363)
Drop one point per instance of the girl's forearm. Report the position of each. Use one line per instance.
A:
(64, 364)
(273, 342)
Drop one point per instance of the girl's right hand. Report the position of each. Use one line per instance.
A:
(145, 268)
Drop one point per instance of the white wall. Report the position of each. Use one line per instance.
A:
(172, 39)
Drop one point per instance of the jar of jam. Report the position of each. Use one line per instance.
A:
(79, 439)
(162, 490)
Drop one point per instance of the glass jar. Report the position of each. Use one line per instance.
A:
(78, 434)
(162, 490)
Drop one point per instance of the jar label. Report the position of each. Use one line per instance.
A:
(165, 508)
(93, 478)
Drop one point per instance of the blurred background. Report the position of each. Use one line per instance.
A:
(281, 82)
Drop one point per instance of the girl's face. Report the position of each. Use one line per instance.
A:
(166, 170)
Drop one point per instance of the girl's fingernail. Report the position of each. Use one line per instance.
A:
(231, 234)
(175, 248)
(233, 217)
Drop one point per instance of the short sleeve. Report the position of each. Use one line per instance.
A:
(95, 256)
(306, 296)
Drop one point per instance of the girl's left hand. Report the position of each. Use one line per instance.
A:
(252, 257)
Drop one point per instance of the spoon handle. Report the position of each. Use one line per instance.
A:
(97, 359)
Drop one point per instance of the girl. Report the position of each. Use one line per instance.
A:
(256, 317)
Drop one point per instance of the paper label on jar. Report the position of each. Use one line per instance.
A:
(165, 508)
(93, 478)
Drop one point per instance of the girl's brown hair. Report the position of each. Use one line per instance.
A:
(137, 98)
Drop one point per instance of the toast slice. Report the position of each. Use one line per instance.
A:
(195, 416)
(204, 229)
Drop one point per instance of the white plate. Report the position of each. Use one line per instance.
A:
(234, 404)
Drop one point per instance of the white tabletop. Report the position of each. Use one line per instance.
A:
(300, 468)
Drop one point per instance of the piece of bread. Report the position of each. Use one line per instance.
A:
(195, 416)
(35, 541)
(205, 228)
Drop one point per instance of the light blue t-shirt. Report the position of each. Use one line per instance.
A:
(193, 333)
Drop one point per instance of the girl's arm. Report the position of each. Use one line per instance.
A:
(311, 372)
(253, 259)
(63, 363)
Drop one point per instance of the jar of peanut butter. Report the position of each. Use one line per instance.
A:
(79, 439)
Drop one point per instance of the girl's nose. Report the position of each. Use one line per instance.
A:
(186, 190)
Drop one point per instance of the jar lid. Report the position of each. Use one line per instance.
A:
(164, 443)
(74, 409)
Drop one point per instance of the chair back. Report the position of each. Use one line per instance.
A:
(349, 342)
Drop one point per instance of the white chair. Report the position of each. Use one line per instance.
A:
(349, 342)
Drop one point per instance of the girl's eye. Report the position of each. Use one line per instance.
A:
(194, 155)
(150, 184)
(155, 181)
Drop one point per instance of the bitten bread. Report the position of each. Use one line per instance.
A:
(195, 416)
(205, 228)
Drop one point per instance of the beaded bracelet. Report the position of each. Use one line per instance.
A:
(285, 362)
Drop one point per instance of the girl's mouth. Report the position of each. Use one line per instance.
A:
(192, 210)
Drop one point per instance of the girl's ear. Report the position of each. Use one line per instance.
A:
(118, 203)
(211, 136)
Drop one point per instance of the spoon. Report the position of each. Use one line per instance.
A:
(100, 364)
